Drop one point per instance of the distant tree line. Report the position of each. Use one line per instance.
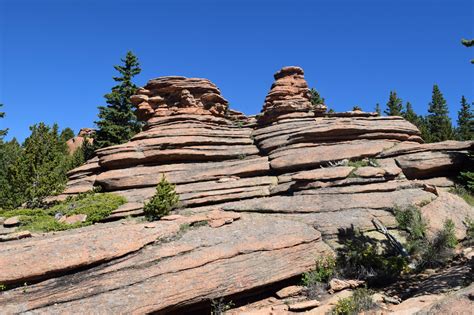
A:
(37, 168)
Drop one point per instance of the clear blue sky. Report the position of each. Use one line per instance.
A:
(57, 57)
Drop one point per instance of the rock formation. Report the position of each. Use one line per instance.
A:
(289, 96)
(275, 192)
(85, 134)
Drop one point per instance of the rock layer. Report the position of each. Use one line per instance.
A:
(259, 200)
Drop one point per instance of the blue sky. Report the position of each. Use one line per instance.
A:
(57, 57)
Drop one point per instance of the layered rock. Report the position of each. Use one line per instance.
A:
(259, 200)
(288, 95)
(85, 134)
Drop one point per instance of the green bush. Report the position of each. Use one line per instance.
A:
(164, 200)
(429, 252)
(360, 257)
(464, 193)
(360, 301)
(219, 306)
(411, 220)
(469, 229)
(96, 206)
(324, 270)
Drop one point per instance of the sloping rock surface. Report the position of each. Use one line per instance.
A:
(260, 199)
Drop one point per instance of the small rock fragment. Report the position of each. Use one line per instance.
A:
(15, 236)
(289, 291)
(305, 305)
(339, 285)
(76, 218)
(13, 221)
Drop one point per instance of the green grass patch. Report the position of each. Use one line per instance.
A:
(463, 193)
(359, 302)
(96, 206)
(364, 162)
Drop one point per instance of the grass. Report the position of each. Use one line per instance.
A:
(96, 206)
(463, 193)
(427, 252)
(360, 301)
(364, 162)
(325, 268)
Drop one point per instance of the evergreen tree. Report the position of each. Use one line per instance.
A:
(468, 43)
(3, 132)
(118, 122)
(439, 123)
(66, 134)
(410, 115)
(40, 170)
(9, 153)
(378, 110)
(394, 105)
(164, 200)
(465, 130)
(316, 98)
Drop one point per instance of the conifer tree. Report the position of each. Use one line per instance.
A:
(316, 98)
(439, 123)
(118, 122)
(3, 132)
(164, 200)
(66, 134)
(9, 153)
(465, 130)
(40, 170)
(378, 110)
(394, 105)
(410, 115)
(468, 43)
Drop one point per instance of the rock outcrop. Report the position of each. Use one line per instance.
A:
(260, 198)
(85, 134)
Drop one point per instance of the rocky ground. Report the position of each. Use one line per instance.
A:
(260, 198)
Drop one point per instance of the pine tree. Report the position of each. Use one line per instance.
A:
(3, 132)
(394, 105)
(410, 115)
(468, 43)
(66, 134)
(439, 123)
(316, 98)
(118, 122)
(40, 170)
(164, 200)
(465, 130)
(9, 153)
(378, 110)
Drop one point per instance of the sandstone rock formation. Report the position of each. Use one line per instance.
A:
(259, 200)
(85, 134)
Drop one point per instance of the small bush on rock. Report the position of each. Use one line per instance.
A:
(360, 257)
(317, 279)
(164, 200)
(360, 301)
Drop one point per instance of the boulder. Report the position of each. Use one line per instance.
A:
(179, 273)
(12, 221)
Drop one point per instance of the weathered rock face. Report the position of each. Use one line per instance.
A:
(258, 200)
(168, 96)
(85, 134)
(289, 94)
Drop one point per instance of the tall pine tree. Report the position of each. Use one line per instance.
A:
(409, 114)
(118, 122)
(465, 130)
(378, 110)
(439, 123)
(3, 132)
(394, 105)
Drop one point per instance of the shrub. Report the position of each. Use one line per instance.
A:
(428, 252)
(361, 258)
(360, 301)
(219, 306)
(164, 200)
(325, 268)
(463, 193)
(96, 206)
(411, 220)
(469, 229)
